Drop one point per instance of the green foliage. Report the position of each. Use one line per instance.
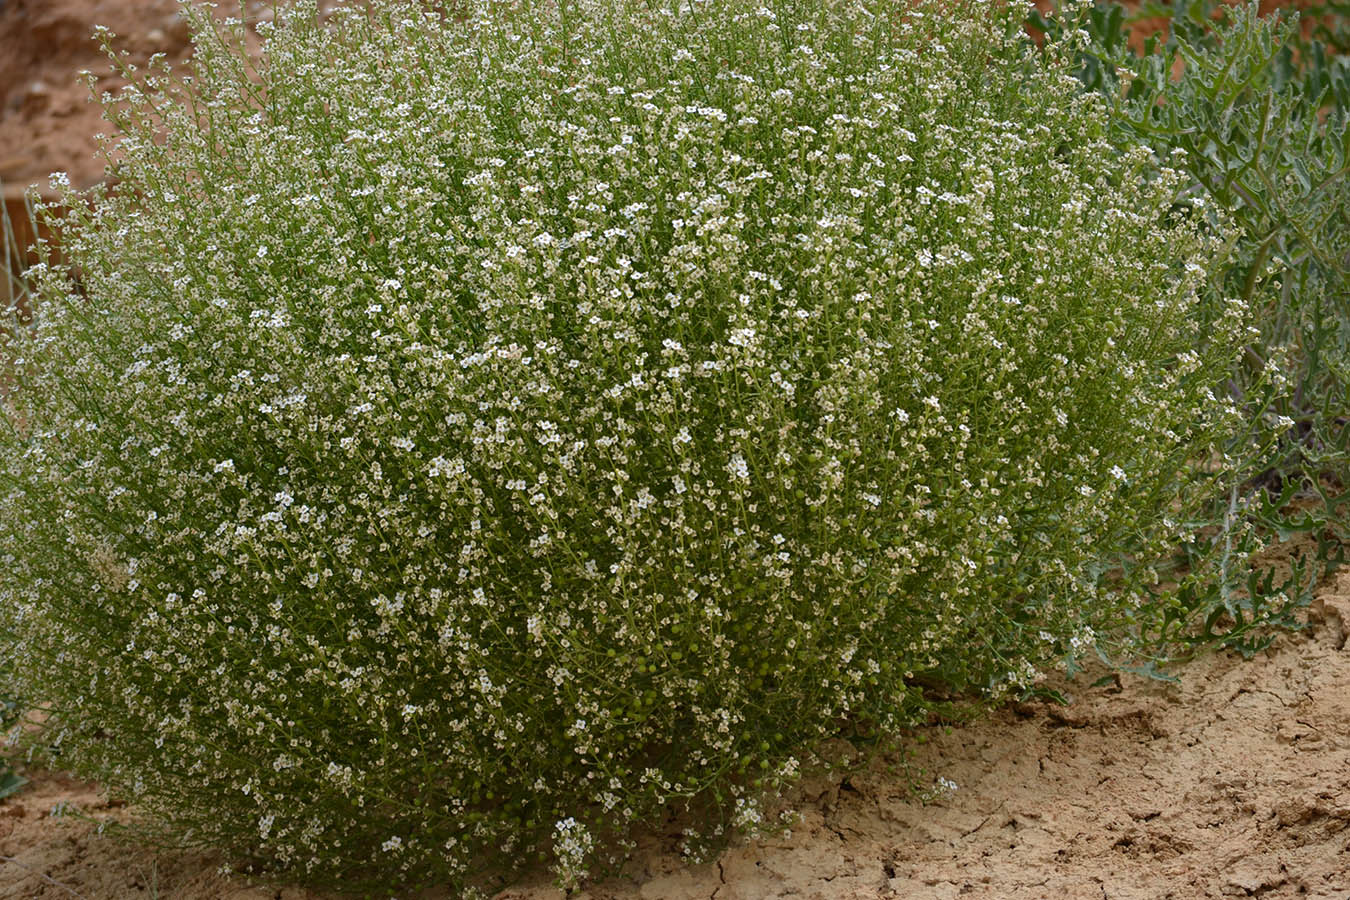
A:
(1254, 111)
(11, 782)
(14, 293)
(471, 438)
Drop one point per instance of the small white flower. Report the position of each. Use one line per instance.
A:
(572, 847)
(742, 337)
(737, 468)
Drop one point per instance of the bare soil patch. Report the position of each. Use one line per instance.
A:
(47, 122)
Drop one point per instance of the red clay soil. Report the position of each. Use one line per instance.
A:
(47, 118)
(47, 122)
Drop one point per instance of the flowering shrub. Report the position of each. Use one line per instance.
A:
(1225, 96)
(485, 433)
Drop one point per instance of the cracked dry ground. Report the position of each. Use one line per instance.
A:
(1234, 783)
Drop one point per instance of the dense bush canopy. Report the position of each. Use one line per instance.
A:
(485, 432)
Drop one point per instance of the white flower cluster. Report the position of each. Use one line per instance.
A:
(473, 435)
(573, 847)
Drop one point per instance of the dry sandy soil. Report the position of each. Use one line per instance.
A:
(1234, 783)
